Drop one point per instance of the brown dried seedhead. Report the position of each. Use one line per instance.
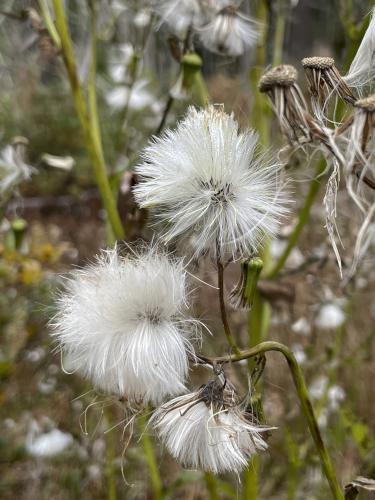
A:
(280, 84)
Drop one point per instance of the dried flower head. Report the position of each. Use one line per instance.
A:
(208, 184)
(325, 81)
(207, 430)
(280, 84)
(230, 32)
(120, 323)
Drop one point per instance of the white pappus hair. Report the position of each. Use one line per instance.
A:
(208, 184)
(229, 32)
(179, 15)
(362, 70)
(120, 322)
(202, 432)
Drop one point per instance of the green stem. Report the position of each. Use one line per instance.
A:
(47, 18)
(294, 464)
(302, 220)
(260, 111)
(250, 486)
(151, 461)
(111, 453)
(278, 44)
(211, 486)
(223, 312)
(200, 90)
(89, 129)
(303, 395)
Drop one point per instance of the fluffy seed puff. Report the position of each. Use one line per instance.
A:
(206, 430)
(207, 183)
(120, 323)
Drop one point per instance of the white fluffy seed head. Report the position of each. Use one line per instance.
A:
(362, 70)
(207, 183)
(206, 435)
(179, 15)
(120, 322)
(230, 32)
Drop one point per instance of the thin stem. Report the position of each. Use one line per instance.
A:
(278, 43)
(91, 89)
(223, 312)
(47, 18)
(87, 124)
(302, 220)
(303, 395)
(250, 487)
(166, 111)
(156, 482)
(211, 486)
(111, 454)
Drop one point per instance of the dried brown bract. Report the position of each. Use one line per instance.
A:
(360, 153)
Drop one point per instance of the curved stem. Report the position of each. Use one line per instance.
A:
(303, 395)
(223, 312)
(88, 127)
(302, 220)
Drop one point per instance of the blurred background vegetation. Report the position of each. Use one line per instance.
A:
(56, 220)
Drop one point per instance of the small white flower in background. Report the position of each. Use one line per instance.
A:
(207, 182)
(13, 168)
(120, 323)
(295, 259)
(46, 444)
(336, 395)
(205, 430)
(299, 353)
(137, 98)
(118, 61)
(330, 317)
(302, 327)
(318, 387)
(142, 18)
(61, 162)
(230, 32)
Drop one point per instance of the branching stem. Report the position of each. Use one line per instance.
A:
(88, 123)
(302, 220)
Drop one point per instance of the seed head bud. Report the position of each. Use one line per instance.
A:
(242, 296)
(191, 64)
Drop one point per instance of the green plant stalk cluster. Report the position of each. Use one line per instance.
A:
(88, 120)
